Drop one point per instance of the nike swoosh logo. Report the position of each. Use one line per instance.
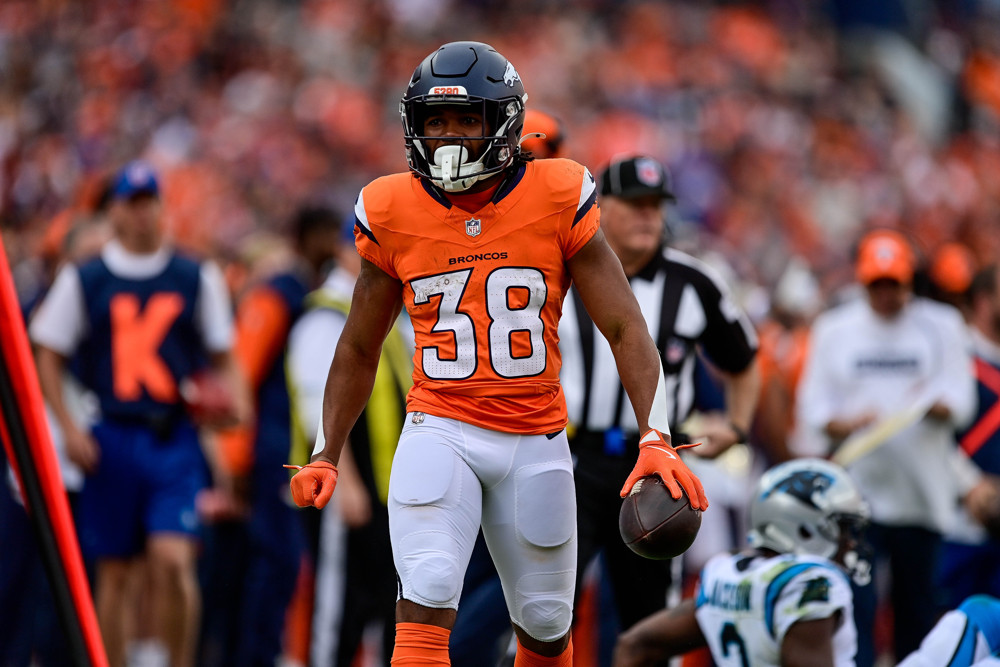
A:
(665, 451)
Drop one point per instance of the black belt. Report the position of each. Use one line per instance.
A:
(161, 423)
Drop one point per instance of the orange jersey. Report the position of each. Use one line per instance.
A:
(485, 290)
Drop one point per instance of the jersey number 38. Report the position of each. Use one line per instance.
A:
(514, 300)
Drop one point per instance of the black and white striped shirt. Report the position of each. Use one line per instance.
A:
(686, 305)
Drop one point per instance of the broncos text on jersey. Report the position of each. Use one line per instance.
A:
(484, 291)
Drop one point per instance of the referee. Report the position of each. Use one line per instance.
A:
(687, 308)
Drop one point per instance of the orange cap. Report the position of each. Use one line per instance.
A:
(885, 254)
(953, 267)
(539, 121)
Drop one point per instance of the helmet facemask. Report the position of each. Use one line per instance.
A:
(457, 165)
(475, 75)
(854, 552)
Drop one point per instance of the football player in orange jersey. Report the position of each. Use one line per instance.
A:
(480, 243)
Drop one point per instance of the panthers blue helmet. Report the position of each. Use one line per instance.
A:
(464, 73)
(811, 506)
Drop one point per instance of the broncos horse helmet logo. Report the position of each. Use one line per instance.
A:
(803, 484)
(510, 75)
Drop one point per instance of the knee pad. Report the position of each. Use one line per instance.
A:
(435, 580)
(423, 496)
(544, 604)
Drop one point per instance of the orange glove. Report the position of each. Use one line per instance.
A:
(313, 484)
(657, 457)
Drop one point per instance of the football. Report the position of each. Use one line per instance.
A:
(653, 524)
(207, 399)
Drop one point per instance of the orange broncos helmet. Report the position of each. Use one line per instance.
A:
(542, 147)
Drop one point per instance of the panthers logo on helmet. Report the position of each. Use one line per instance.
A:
(802, 484)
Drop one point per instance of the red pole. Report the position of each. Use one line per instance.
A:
(25, 433)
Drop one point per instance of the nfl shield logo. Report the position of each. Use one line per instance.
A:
(649, 172)
(676, 351)
(473, 227)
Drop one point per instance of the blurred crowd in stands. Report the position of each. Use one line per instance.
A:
(790, 127)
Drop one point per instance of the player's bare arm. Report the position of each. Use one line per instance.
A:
(599, 279)
(376, 303)
(608, 298)
(810, 643)
(664, 634)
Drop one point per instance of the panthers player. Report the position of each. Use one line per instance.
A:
(788, 602)
(480, 243)
(969, 635)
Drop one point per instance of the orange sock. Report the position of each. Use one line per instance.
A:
(419, 644)
(526, 658)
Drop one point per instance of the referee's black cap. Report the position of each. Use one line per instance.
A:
(635, 177)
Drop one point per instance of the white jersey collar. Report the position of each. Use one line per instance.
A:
(125, 264)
